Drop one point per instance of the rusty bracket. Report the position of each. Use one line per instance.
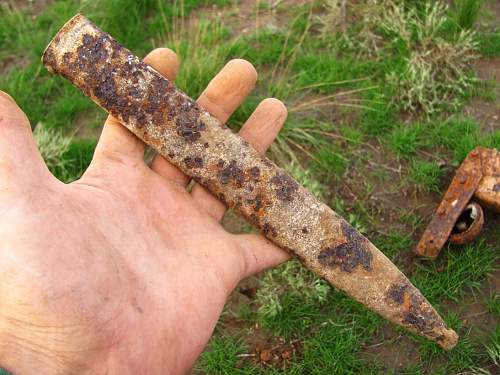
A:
(457, 218)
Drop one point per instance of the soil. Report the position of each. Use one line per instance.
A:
(486, 113)
(273, 352)
(85, 124)
(234, 223)
(490, 16)
(393, 351)
(11, 62)
(31, 6)
(245, 16)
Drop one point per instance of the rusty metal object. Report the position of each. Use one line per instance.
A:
(469, 225)
(154, 110)
(488, 191)
(478, 176)
(456, 198)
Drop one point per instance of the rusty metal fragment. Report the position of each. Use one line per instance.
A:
(456, 198)
(478, 176)
(488, 191)
(162, 116)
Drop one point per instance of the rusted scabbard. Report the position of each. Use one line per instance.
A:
(162, 116)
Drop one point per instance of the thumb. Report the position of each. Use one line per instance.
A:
(259, 253)
(19, 156)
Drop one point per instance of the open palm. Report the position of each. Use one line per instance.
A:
(124, 271)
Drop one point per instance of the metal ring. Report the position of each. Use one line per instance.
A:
(468, 231)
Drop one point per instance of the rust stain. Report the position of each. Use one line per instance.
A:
(188, 124)
(353, 253)
(284, 186)
(397, 292)
(254, 172)
(193, 162)
(415, 313)
(269, 230)
(231, 173)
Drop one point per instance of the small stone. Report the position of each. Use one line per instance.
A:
(266, 355)
(285, 355)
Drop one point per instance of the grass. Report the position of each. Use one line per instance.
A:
(394, 243)
(288, 297)
(329, 163)
(464, 356)
(452, 139)
(52, 145)
(465, 13)
(457, 272)
(332, 350)
(426, 63)
(493, 347)
(425, 175)
(406, 140)
(221, 356)
(489, 44)
(65, 157)
(460, 136)
(376, 128)
(290, 317)
(493, 303)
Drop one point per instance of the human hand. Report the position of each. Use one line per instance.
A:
(123, 271)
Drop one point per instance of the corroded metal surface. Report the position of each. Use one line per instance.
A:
(488, 191)
(478, 176)
(466, 232)
(189, 137)
(459, 193)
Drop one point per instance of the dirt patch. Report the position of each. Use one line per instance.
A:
(9, 63)
(264, 350)
(31, 6)
(272, 352)
(486, 113)
(488, 69)
(366, 182)
(253, 15)
(248, 16)
(490, 16)
(476, 317)
(234, 223)
(86, 124)
(393, 351)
